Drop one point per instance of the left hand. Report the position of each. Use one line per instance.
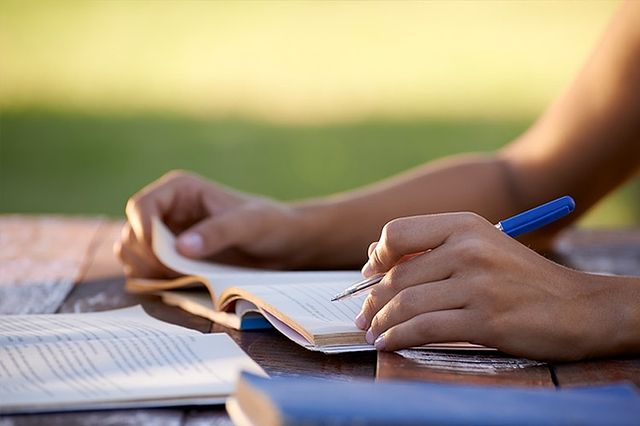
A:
(473, 283)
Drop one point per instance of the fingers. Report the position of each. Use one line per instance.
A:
(176, 192)
(420, 299)
(457, 325)
(372, 246)
(406, 236)
(217, 233)
(136, 259)
(425, 268)
(148, 203)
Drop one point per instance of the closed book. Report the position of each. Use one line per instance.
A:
(294, 400)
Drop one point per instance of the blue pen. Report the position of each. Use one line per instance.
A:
(517, 225)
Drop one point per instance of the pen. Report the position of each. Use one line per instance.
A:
(519, 224)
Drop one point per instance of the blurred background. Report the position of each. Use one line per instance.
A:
(287, 99)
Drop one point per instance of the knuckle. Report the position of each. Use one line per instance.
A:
(376, 258)
(469, 220)
(391, 232)
(394, 279)
(381, 320)
(176, 174)
(371, 300)
(136, 205)
(178, 177)
(126, 233)
(405, 298)
(471, 249)
(371, 305)
(132, 204)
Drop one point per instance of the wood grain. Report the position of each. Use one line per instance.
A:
(40, 260)
(280, 356)
(101, 287)
(394, 366)
(598, 372)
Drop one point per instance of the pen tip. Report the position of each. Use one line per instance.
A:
(337, 297)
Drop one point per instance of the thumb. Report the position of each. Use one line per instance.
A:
(219, 232)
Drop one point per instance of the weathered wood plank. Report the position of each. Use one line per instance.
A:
(160, 417)
(599, 372)
(495, 369)
(207, 417)
(102, 262)
(40, 260)
(604, 251)
(279, 356)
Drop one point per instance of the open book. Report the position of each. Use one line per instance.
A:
(296, 303)
(114, 359)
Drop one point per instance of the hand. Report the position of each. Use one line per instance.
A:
(473, 283)
(211, 221)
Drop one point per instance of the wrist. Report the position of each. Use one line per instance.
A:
(626, 291)
(313, 228)
(319, 234)
(615, 308)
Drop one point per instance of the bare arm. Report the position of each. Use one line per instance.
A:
(586, 144)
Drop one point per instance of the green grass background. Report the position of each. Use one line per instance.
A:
(90, 164)
(286, 99)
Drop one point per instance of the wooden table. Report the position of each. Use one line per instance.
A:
(100, 287)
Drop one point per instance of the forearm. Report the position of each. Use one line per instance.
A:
(341, 227)
(585, 145)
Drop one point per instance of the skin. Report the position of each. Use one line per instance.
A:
(468, 281)
(476, 284)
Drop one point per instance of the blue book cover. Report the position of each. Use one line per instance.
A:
(309, 401)
(254, 322)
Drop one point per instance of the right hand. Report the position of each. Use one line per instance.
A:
(210, 221)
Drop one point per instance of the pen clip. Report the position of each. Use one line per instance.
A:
(537, 217)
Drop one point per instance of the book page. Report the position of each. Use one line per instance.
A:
(88, 360)
(222, 276)
(298, 338)
(120, 323)
(310, 306)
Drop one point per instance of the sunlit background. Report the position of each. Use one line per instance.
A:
(287, 99)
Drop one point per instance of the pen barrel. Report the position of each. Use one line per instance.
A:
(537, 217)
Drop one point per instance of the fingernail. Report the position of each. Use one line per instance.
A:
(379, 343)
(361, 321)
(366, 269)
(192, 242)
(369, 337)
